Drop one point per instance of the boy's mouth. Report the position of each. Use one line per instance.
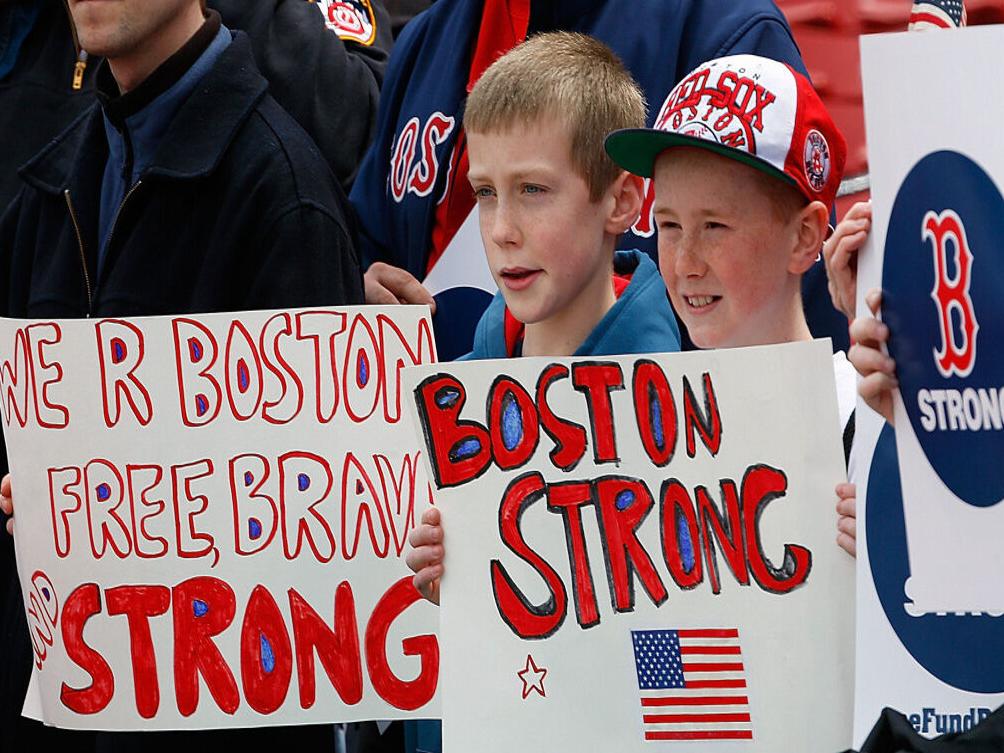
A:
(517, 278)
(701, 301)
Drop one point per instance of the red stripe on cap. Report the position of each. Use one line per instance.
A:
(811, 115)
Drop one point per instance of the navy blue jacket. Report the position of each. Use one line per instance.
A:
(660, 41)
(326, 79)
(237, 210)
(641, 321)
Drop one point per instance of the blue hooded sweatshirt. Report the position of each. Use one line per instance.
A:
(641, 321)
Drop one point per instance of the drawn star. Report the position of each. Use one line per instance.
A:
(537, 674)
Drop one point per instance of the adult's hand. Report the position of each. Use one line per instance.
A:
(389, 286)
(840, 253)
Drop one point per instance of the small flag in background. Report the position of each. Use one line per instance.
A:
(692, 684)
(937, 14)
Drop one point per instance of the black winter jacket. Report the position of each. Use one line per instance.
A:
(237, 211)
(329, 85)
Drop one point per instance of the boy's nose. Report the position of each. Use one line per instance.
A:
(505, 230)
(687, 261)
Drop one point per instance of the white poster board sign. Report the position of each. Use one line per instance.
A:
(211, 513)
(640, 552)
(931, 522)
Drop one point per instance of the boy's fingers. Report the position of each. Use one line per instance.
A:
(423, 556)
(875, 387)
(867, 331)
(10, 526)
(847, 507)
(431, 516)
(848, 526)
(848, 544)
(426, 582)
(846, 489)
(6, 505)
(425, 535)
(867, 361)
(874, 299)
(5, 485)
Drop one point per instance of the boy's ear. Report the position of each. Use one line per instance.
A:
(811, 226)
(628, 194)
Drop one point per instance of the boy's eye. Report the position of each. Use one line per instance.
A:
(667, 225)
(483, 192)
(714, 226)
(531, 188)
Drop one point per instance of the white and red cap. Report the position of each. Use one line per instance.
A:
(749, 108)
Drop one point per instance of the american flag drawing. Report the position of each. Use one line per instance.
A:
(937, 14)
(692, 684)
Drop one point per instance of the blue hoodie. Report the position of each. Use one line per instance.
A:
(641, 321)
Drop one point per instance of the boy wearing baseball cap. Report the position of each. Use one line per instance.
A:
(746, 163)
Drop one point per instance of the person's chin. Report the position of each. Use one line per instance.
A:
(705, 337)
(524, 310)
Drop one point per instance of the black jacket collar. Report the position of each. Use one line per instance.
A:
(118, 106)
(193, 146)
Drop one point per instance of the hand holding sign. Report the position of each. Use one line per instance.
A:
(389, 286)
(7, 502)
(426, 556)
(878, 370)
(840, 254)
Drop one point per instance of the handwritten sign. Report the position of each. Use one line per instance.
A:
(211, 515)
(641, 549)
(931, 493)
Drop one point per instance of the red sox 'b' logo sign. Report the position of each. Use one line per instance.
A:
(951, 294)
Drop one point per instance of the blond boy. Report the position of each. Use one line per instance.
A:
(552, 205)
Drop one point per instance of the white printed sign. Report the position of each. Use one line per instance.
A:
(930, 518)
(211, 515)
(640, 550)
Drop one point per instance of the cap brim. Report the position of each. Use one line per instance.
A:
(636, 149)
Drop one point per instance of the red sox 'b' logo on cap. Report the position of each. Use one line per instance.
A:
(728, 110)
(947, 234)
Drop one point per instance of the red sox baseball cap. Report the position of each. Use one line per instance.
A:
(751, 109)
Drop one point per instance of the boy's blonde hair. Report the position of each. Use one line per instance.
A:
(570, 76)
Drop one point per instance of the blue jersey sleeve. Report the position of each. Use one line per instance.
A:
(369, 196)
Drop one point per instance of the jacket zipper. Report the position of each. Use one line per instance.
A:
(78, 71)
(81, 64)
(118, 212)
(80, 245)
(80, 238)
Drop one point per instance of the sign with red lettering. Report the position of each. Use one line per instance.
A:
(931, 489)
(641, 550)
(211, 513)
